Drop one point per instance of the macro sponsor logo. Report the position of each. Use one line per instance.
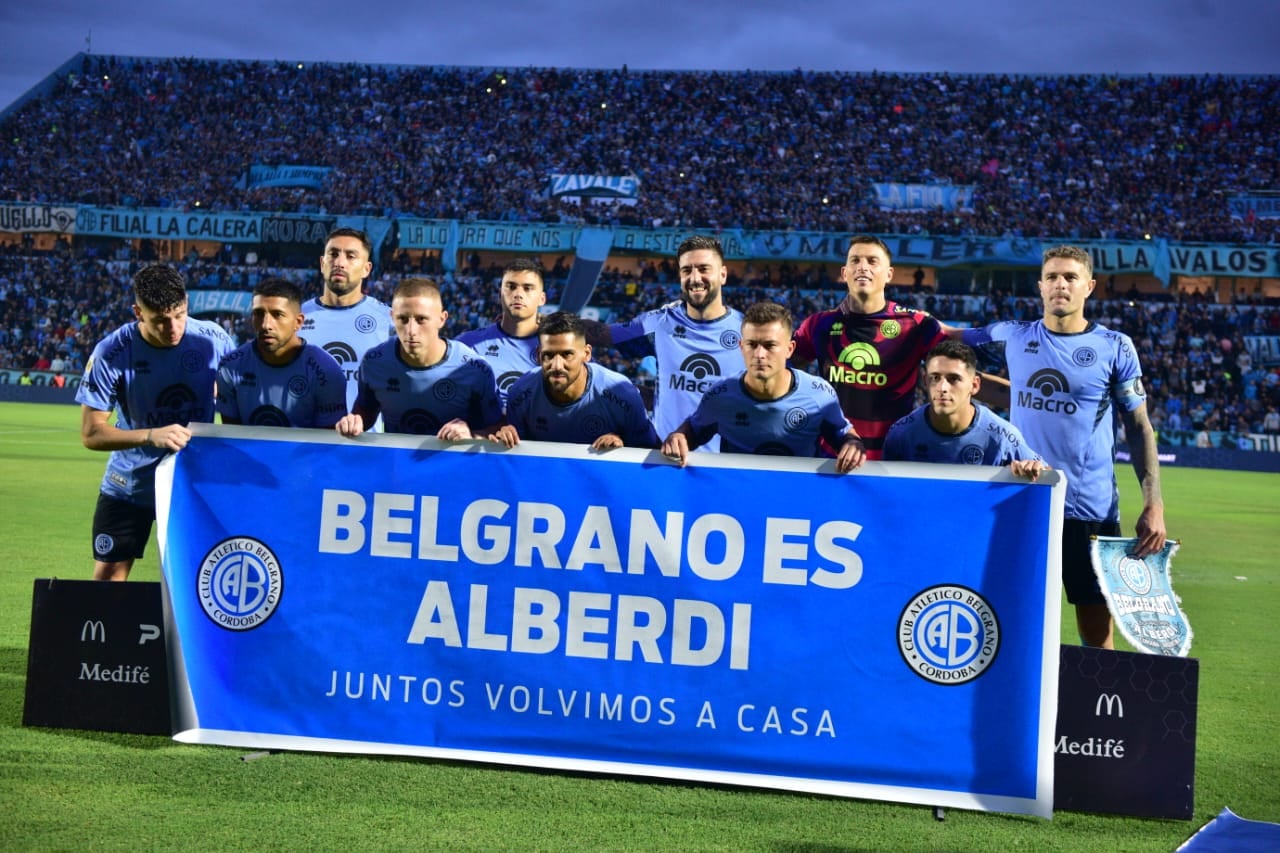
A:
(269, 416)
(851, 366)
(1047, 384)
(696, 373)
(506, 380)
(342, 352)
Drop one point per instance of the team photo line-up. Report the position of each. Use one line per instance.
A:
(841, 384)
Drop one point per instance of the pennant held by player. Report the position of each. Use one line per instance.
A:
(1140, 595)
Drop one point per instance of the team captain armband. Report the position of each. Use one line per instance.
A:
(1130, 395)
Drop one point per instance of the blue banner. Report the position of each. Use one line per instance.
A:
(169, 225)
(1263, 349)
(1157, 257)
(925, 251)
(923, 197)
(524, 237)
(625, 187)
(424, 233)
(553, 607)
(1259, 206)
(262, 175)
(297, 228)
(219, 302)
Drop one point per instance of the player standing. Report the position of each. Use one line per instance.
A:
(342, 320)
(511, 344)
(869, 348)
(695, 340)
(157, 375)
(1066, 372)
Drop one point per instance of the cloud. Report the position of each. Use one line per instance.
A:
(997, 36)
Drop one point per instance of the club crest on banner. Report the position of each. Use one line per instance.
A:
(1140, 595)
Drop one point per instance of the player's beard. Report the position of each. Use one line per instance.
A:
(703, 299)
(341, 286)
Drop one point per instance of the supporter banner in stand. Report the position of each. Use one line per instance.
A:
(603, 186)
(424, 233)
(264, 175)
(219, 302)
(920, 197)
(1263, 349)
(37, 218)
(286, 228)
(1158, 257)
(169, 224)
(891, 634)
(927, 251)
(615, 188)
(1259, 206)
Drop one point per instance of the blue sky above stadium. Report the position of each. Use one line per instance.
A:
(1032, 36)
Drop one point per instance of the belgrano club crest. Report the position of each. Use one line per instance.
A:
(240, 583)
(948, 634)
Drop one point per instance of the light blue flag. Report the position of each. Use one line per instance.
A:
(1140, 595)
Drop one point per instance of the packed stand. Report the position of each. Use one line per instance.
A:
(1074, 157)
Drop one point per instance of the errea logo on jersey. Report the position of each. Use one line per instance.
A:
(851, 366)
(1047, 383)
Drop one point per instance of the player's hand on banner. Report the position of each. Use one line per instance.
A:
(852, 454)
(676, 447)
(1029, 468)
(608, 441)
(455, 430)
(505, 435)
(350, 425)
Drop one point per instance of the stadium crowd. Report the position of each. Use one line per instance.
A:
(54, 308)
(1071, 157)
